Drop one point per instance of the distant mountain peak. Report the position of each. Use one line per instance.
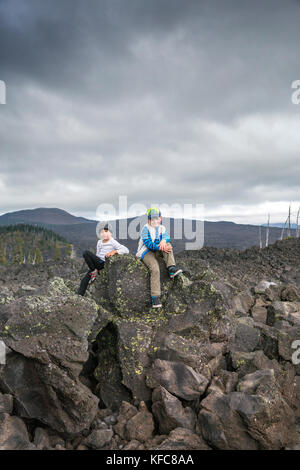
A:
(42, 215)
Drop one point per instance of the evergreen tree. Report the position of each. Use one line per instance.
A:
(68, 250)
(25, 243)
(57, 253)
(17, 257)
(38, 256)
(3, 259)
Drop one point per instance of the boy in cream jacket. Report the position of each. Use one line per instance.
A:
(155, 241)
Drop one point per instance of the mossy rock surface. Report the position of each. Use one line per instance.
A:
(67, 353)
(124, 285)
(48, 335)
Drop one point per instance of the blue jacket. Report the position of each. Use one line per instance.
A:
(150, 239)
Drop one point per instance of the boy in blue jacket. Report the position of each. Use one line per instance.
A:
(155, 241)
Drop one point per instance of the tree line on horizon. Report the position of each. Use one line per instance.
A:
(31, 244)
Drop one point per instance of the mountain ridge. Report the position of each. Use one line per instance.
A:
(81, 232)
(48, 215)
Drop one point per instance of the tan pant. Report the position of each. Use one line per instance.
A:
(151, 261)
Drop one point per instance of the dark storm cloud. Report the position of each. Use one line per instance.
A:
(192, 98)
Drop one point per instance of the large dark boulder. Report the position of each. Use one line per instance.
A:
(6, 403)
(246, 336)
(283, 312)
(242, 303)
(134, 348)
(286, 340)
(14, 434)
(247, 422)
(246, 363)
(123, 286)
(140, 427)
(49, 338)
(261, 381)
(268, 340)
(169, 412)
(178, 378)
(182, 439)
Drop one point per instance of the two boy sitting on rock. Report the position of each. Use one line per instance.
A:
(154, 242)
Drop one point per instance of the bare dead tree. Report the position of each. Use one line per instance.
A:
(289, 219)
(268, 230)
(282, 232)
(73, 252)
(260, 240)
(297, 224)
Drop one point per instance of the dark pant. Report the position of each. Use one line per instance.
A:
(93, 262)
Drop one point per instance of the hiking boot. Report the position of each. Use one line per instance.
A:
(173, 271)
(156, 301)
(93, 275)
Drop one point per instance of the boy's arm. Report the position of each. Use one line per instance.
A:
(165, 235)
(121, 249)
(98, 249)
(147, 240)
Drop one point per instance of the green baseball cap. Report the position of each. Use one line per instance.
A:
(153, 212)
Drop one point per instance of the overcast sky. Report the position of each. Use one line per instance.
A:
(164, 101)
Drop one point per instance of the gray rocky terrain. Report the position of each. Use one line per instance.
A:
(212, 369)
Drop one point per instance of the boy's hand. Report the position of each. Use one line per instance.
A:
(168, 248)
(111, 253)
(164, 246)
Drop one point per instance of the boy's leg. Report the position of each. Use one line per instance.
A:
(170, 263)
(84, 283)
(93, 261)
(152, 263)
(168, 257)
